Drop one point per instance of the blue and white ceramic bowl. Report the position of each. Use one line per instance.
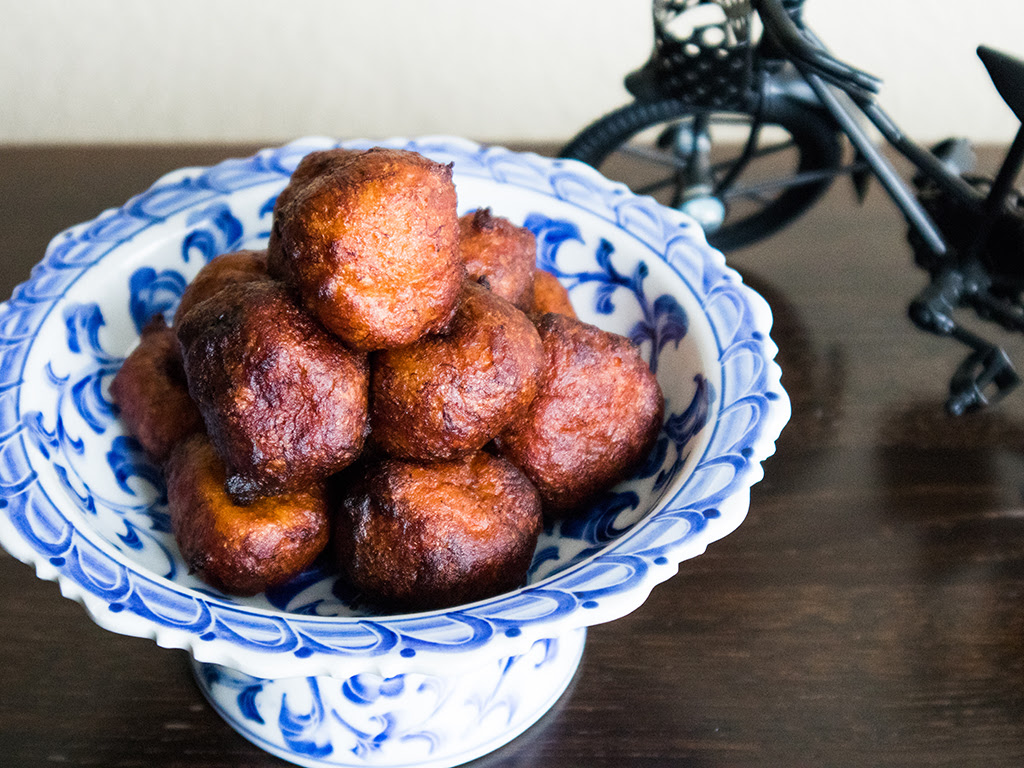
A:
(297, 670)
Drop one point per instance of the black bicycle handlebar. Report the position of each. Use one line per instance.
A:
(813, 57)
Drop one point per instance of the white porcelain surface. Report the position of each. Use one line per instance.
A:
(80, 503)
(415, 719)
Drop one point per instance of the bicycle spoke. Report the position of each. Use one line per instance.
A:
(767, 166)
(661, 157)
(754, 191)
(772, 185)
(757, 191)
(721, 119)
(656, 186)
(761, 199)
(731, 173)
(653, 155)
(757, 154)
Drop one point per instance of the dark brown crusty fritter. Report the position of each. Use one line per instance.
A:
(549, 295)
(284, 401)
(447, 395)
(415, 536)
(594, 420)
(240, 550)
(222, 270)
(499, 255)
(151, 393)
(370, 245)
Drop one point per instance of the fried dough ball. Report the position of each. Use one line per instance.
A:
(222, 270)
(310, 168)
(151, 393)
(370, 245)
(499, 255)
(284, 401)
(447, 395)
(595, 419)
(240, 550)
(422, 536)
(549, 295)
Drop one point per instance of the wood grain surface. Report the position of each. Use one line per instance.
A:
(868, 612)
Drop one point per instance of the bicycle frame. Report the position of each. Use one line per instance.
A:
(957, 279)
(966, 233)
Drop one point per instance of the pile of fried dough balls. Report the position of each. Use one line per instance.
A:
(387, 381)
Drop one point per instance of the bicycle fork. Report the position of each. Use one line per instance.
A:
(695, 191)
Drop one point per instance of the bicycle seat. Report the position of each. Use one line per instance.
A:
(1007, 75)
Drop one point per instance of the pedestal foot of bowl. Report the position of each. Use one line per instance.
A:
(409, 719)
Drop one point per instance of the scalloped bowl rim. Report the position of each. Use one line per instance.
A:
(414, 649)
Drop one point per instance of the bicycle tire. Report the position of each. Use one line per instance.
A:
(814, 140)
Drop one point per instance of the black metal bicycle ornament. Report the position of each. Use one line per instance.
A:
(747, 134)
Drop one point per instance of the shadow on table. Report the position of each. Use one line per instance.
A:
(953, 496)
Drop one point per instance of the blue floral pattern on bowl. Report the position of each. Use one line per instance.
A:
(80, 501)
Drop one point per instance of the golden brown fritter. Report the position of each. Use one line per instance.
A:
(549, 295)
(150, 391)
(422, 536)
(499, 255)
(447, 395)
(240, 550)
(370, 245)
(222, 270)
(594, 420)
(284, 401)
(310, 168)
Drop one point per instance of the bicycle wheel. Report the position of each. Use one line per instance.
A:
(760, 170)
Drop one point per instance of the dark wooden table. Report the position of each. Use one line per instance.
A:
(869, 611)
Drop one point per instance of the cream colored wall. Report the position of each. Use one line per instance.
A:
(270, 70)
